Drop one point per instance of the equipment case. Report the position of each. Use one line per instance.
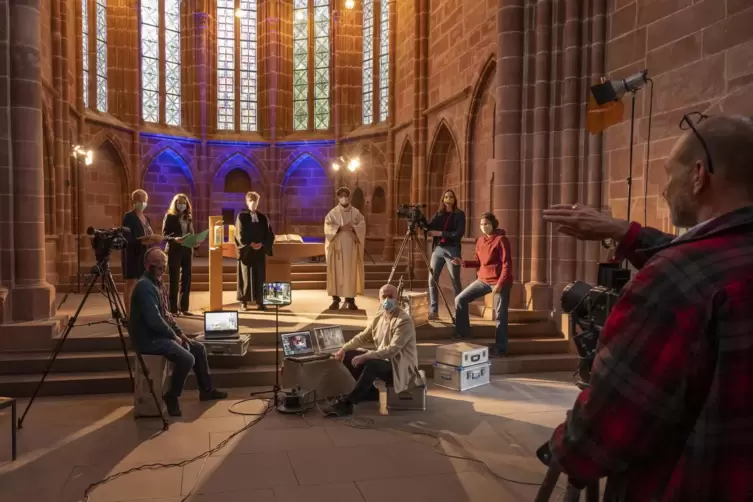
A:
(416, 304)
(462, 354)
(461, 378)
(225, 347)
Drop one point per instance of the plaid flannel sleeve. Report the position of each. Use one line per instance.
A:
(639, 389)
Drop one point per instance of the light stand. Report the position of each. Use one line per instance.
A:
(630, 153)
(276, 388)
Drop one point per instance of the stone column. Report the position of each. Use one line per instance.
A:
(508, 120)
(201, 88)
(537, 289)
(7, 263)
(32, 295)
(565, 267)
(389, 245)
(421, 100)
(273, 46)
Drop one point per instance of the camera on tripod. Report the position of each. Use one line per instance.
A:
(104, 241)
(414, 215)
(589, 307)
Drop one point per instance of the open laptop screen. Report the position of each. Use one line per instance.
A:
(297, 344)
(221, 322)
(329, 339)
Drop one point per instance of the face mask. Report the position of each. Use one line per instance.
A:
(181, 207)
(486, 229)
(449, 199)
(140, 206)
(389, 304)
(344, 201)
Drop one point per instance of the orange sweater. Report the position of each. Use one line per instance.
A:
(493, 259)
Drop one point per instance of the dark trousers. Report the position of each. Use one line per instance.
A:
(179, 265)
(183, 360)
(365, 376)
(252, 272)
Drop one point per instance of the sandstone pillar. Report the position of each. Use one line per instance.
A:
(274, 52)
(32, 295)
(201, 88)
(508, 120)
(389, 244)
(6, 171)
(537, 289)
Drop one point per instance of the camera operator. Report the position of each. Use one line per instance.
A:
(669, 413)
(447, 228)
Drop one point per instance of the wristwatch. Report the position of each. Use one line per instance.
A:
(608, 243)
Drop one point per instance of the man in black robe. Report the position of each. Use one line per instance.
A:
(254, 239)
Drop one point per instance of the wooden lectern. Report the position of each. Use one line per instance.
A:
(216, 264)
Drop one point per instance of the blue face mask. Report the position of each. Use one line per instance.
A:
(389, 304)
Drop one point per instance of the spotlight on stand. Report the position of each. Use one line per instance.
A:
(606, 109)
(82, 155)
(353, 165)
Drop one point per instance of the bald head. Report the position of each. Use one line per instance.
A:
(710, 173)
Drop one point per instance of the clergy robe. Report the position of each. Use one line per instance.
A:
(252, 263)
(344, 252)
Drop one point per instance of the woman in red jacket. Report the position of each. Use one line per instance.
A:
(494, 263)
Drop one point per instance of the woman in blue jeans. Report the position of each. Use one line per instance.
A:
(446, 228)
(494, 263)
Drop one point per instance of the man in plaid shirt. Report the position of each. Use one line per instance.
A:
(153, 330)
(669, 413)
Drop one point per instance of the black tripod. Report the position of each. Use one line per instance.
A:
(408, 241)
(100, 271)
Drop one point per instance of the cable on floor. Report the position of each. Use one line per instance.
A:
(149, 467)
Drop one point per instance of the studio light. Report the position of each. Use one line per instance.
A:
(353, 165)
(614, 90)
(82, 155)
(335, 166)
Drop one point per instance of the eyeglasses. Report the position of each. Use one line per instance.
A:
(688, 122)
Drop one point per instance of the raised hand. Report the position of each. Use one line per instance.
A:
(585, 223)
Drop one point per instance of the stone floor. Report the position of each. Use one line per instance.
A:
(68, 443)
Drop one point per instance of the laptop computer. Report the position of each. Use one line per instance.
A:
(221, 324)
(329, 339)
(299, 347)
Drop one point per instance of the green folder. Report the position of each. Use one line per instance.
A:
(193, 240)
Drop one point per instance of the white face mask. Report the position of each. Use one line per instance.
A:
(180, 207)
(344, 201)
(486, 228)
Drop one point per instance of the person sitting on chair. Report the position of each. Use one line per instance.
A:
(395, 360)
(153, 331)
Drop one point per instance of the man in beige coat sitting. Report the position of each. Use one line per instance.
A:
(395, 360)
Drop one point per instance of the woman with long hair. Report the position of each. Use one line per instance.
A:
(178, 223)
(493, 260)
(446, 228)
(140, 238)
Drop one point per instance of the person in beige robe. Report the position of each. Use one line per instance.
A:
(345, 235)
(394, 359)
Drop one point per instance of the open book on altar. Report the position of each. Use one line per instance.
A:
(288, 238)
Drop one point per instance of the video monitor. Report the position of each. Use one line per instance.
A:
(222, 321)
(277, 294)
(297, 344)
(329, 339)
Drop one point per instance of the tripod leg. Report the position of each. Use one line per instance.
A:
(398, 258)
(436, 280)
(548, 485)
(111, 293)
(58, 347)
(150, 383)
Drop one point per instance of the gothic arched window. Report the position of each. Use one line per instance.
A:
(237, 83)
(376, 47)
(311, 64)
(95, 81)
(160, 61)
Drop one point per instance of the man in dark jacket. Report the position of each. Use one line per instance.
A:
(153, 331)
(668, 415)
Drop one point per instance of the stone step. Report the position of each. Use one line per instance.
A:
(27, 363)
(118, 382)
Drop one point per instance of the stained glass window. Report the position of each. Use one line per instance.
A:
(248, 72)
(321, 64)
(85, 51)
(101, 55)
(300, 65)
(172, 62)
(150, 67)
(367, 83)
(384, 59)
(226, 65)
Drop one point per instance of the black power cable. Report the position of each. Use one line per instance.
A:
(648, 156)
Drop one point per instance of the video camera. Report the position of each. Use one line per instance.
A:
(414, 215)
(104, 241)
(589, 307)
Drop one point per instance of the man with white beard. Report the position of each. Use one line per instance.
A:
(345, 234)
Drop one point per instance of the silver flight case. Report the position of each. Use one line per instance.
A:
(462, 354)
(225, 347)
